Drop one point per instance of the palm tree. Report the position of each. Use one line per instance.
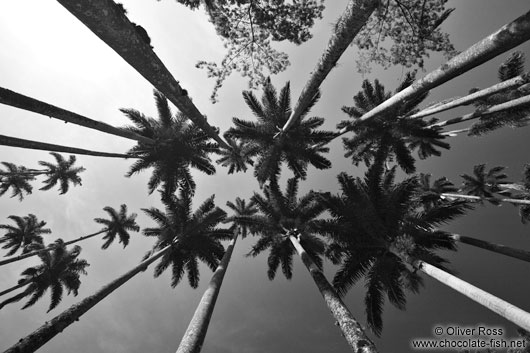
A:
(182, 239)
(119, 224)
(27, 231)
(272, 148)
(60, 269)
(192, 237)
(392, 131)
(288, 225)
(30, 104)
(17, 178)
(196, 332)
(178, 145)
(518, 117)
(507, 37)
(36, 145)
(348, 25)
(487, 186)
(370, 217)
(109, 22)
(63, 172)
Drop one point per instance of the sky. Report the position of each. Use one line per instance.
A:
(49, 55)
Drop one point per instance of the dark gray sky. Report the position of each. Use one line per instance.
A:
(47, 54)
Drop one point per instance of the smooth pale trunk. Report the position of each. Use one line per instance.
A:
(454, 133)
(510, 312)
(196, 332)
(478, 198)
(35, 145)
(56, 325)
(349, 24)
(20, 285)
(110, 24)
(513, 104)
(504, 39)
(18, 100)
(473, 97)
(498, 248)
(351, 329)
(51, 247)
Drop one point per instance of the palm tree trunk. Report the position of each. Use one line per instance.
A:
(498, 248)
(110, 24)
(515, 103)
(56, 325)
(18, 100)
(349, 24)
(49, 248)
(454, 133)
(13, 299)
(351, 329)
(196, 332)
(510, 312)
(504, 39)
(35, 145)
(470, 98)
(20, 285)
(478, 198)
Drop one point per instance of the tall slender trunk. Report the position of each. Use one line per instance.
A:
(510, 312)
(49, 248)
(109, 23)
(478, 198)
(56, 325)
(504, 39)
(349, 24)
(18, 100)
(193, 338)
(20, 285)
(35, 145)
(351, 329)
(454, 133)
(473, 97)
(498, 248)
(514, 103)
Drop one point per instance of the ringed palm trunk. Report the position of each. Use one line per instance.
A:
(35, 145)
(498, 248)
(351, 329)
(473, 97)
(504, 39)
(56, 325)
(349, 24)
(515, 103)
(49, 248)
(106, 20)
(478, 198)
(196, 332)
(510, 312)
(18, 100)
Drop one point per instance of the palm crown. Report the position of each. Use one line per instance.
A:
(283, 215)
(375, 222)
(27, 231)
(17, 178)
(392, 131)
(484, 184)
(63, 173)
(60, 269)
(119, 224)
(241, 210)
(178, 145)
(192, 237)
(299, 146)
